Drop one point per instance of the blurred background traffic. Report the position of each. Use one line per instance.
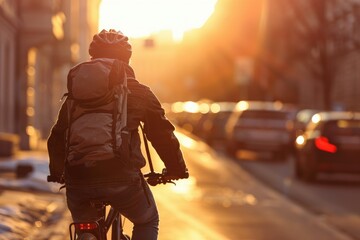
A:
(283, 60)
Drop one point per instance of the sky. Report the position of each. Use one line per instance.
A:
(141, 18)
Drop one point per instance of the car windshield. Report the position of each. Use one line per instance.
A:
(342, 127)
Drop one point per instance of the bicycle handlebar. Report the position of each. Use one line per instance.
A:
(154, 178)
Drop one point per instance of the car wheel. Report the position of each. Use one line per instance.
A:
(298, 170)
(308, 170)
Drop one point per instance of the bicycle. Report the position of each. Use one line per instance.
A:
(98, 230)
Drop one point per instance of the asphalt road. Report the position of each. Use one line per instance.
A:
(223, 201)
(333, 198)
(219, 201)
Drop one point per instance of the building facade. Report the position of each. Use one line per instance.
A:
(39, 41)
(8, 44)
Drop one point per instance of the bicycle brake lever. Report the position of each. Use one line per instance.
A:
(165, 181)
(172, 182)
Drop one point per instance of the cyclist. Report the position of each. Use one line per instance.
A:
(121, 186)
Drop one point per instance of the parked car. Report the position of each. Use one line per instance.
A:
(189, 115)
(302, 118)
(213, 128)
(261, 126)
(330, 144)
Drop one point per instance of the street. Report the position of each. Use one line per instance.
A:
(219, 201)
(222, 201)
(333, 198)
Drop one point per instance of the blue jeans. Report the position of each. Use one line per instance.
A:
(129, 197)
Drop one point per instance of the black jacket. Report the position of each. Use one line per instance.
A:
(143, 106)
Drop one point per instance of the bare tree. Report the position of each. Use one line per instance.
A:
(316, 34)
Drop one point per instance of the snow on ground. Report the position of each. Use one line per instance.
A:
(29, 205)
(36, 180)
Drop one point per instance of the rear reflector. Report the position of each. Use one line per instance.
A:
(86, 226)
(322, 143)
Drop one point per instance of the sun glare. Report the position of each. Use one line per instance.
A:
(142, 18)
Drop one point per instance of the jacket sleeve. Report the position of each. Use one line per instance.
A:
(160, 133)
(56, 143)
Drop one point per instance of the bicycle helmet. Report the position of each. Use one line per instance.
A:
(110, 44)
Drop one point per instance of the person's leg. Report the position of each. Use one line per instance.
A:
(141, 210)
(145, 218)
(130, 199)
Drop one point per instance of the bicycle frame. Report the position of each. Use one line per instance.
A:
(100, 228)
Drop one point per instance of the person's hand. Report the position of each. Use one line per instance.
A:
(175, 176)
(56, 179)
(165, 177)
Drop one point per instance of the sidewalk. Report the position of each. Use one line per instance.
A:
(31, 208)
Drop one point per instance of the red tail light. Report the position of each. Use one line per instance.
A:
(86, 226)
(323, 144)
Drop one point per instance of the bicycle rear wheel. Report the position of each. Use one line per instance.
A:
(87, 236)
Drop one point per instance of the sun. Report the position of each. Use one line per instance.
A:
(141, 18)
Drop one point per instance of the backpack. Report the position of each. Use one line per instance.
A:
(97, 112)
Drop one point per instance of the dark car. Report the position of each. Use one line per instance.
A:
(213, 127)
(189, 115)
(330, 144)
(261, 127)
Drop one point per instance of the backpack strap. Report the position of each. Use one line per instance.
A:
(120, 108)
(70, 108)
(125, 134)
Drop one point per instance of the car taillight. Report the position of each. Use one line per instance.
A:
(86, 226)
(322, 143)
